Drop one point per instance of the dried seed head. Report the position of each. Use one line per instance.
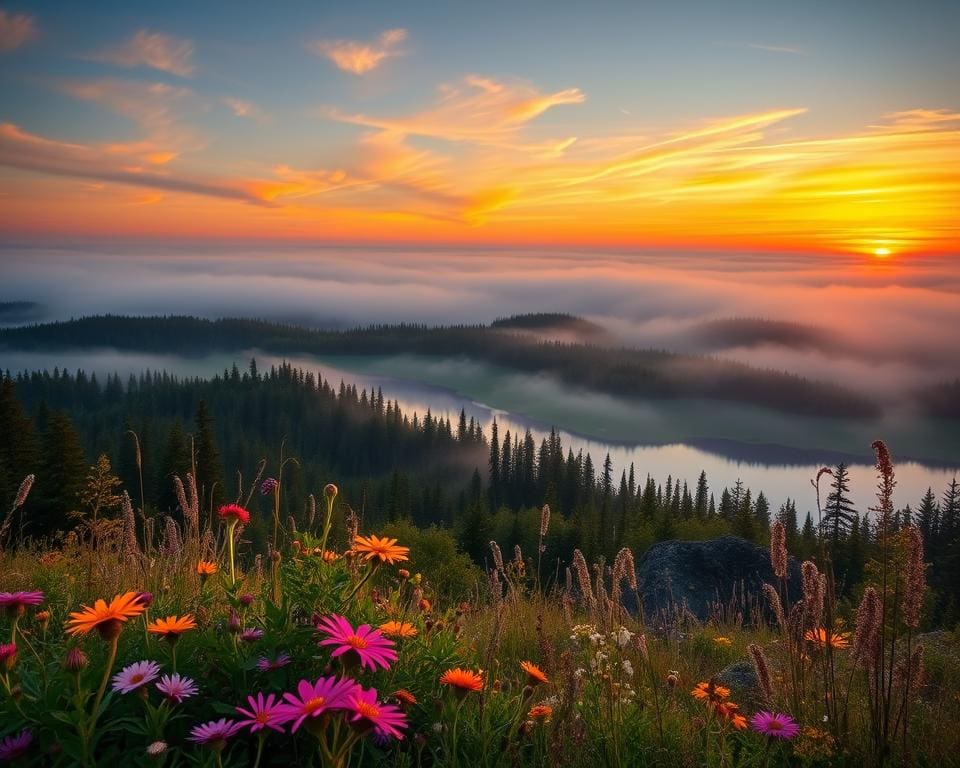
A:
(311, 511)
(762, 669)
(583, 576)
(24, 491)
(778, 549)
(915, 575)
(813, 593)
(497, 556)
(544, 521)
(773, 599)
(869, 616)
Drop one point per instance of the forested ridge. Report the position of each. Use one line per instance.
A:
(620, 371)
(393, 466)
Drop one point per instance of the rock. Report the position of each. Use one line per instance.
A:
(721, 579)
(741, 678)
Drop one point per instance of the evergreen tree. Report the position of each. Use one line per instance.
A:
(928, 518)
(19, 450)
(175, 461)
(209, 469)
(62, 476)
(700, 499)
(838, 512)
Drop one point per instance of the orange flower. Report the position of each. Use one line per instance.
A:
(463, 680)
(106, 619)
(328, 555)
(534, 673)
(823, 637)
(726, 641)
(385, 550)
(730, 712)
(206, 568)
(710, 692)
(403, 696)
(540, 712)
(172, 626)
(400, 629)
(425, 605)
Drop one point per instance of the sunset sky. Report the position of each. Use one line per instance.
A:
(806, 127)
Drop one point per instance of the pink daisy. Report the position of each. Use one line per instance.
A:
(13, 747)
(365, 644)
(215, 733)
(177, 688)
(776, 726)
(135, 676)
(365, 712)
(17, 602)
(265, 665)
(313, 699)
(263, 713)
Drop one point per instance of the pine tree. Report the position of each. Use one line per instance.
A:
(928, 519)
(62, 476)
(175, 461)
(700, 499)
(19, 450)
(761, 511)
(209, 469)
(494, 464)
(838, 512)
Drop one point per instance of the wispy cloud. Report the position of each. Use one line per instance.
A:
(777, 49)
(360, 57)
(15, 30)
(245, 109)
(154, 50)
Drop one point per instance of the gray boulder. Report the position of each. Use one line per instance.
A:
(721, 579)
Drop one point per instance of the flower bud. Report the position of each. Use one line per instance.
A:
(43, 618)
(76, 659)
(246, 600)
(403, 573)
(330, 491)
(233, 623)
(145, 599)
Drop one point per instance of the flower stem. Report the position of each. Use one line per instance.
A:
(230, 528)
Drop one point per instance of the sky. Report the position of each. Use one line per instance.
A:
(810, 128)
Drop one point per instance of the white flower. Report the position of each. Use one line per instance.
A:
(628, 668)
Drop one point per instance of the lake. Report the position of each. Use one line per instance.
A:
(775, 453)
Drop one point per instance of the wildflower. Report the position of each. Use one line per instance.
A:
(823, 637)
(403, 696)
(172, 627)
(43, 618)
(206, 568)
(385, 550)
(251, 635)
(16, 602)
(107, 619)
(544, 522)
(246, 599)
(328, 556)
(814, 591)
(425, 605)
(673, 678)
(268, 486)
(313, 699)
(724, 641)
(869, 616)
(761, 667)
(265, 665)
(400, 629)
(76, 660)
(135, 676)
(365, 644)
(776, 726)
(177, 688)
(263, 713)
(215, 733)
(622, 636)
(233, 623)
(14, 747)
(916, 570)
(711, 692)
(330, 490)
(534, 674)
(365, 712)
(145, 599)
(23, 491)
(773, 598)
(541, 712)
(8, 656)
(462, 680)
(157, 748)
(731, 713)
(233, 514)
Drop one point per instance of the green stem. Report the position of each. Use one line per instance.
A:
(88, 732)
(260, 742)
(230, 528)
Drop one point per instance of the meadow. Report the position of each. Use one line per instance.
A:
(172, 642)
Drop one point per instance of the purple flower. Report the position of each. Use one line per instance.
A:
(251, 635)
(215, 733)
(13, 747)
(313, 699)
(365, 644)
(145, 598)
(246, 599)
(8, 655)
(776, 726)
(263, 713)
(16, 602)
(135, 676)
(268, 486)
(265, 665)
(176, 688)
(367, 713)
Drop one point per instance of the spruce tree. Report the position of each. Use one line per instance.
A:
(209, 469)
(839, 512)
(62, 476)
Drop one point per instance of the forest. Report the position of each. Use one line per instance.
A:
(394, 467)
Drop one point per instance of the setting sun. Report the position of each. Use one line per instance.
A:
(881, 253)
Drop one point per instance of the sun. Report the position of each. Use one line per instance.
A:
(881, 253)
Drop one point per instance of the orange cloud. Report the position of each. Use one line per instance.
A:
(15, 30)
(155, 50)
(360, 57)
(245, 109)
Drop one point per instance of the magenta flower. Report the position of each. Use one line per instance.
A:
(268, 486)
(145, 598)
(135, 676)
(366, 713)
(313, 699)
(13, 747)
(251, 635)
(265, 665)
(776, 726)
(17, 602)
(8, 655)
(215, 733)
(365, 644)
(263, 713)
(177, 688)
